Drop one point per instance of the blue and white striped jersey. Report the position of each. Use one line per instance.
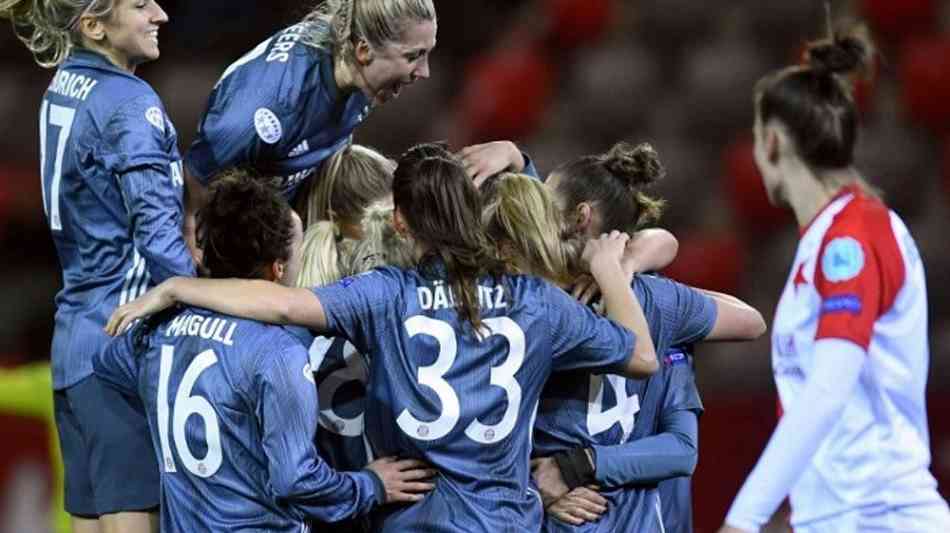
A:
(438, 393)
(231, 405)
(112, 191)
(276, 109)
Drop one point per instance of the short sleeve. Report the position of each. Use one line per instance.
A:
(227, 135)
(682, 393)
(353, 302)
(687, 315)
(116, 364)
(583, 339)
(138, 135)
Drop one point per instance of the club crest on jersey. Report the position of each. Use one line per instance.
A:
(268, 125)
(156, 118)
(843, 259)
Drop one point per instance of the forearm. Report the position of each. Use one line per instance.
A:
(801, 431)
(254, 299)
(735, 319)
(672, 453)
(622, 307)
(156, 219)
(331, 496)
(649, 250)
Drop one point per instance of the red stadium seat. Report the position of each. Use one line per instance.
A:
(743, 184)
(896, 20)
(709, 261)
(579, 22)
(925, 72)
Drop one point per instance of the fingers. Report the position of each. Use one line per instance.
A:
(409, 464)
(564, 516)
(418, 473)
(589, 495)
(415, 488)
(404, 497)
(588, 503)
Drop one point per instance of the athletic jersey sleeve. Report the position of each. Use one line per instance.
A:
(859, 273)
(286, 411)
(691, 313)
(139, 150)
(353, 301)
(116, 364)
(681, 393)
(581, 338)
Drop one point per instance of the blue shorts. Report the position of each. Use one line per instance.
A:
(108, 459)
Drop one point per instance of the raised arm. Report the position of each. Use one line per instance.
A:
(735, 319)
(255, 299)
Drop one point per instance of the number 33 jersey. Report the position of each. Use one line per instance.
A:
(858, 276)
(464, 404)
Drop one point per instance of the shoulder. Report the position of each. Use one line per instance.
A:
(861, 231)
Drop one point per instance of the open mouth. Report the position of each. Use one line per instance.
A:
(153, 36)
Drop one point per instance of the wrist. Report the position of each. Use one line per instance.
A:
(515, 158)
(605, 267)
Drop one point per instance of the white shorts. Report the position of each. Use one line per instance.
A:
(931, 518)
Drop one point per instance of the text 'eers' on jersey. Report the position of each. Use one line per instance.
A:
(232, 407)
(858, 276)
(276, 109)
(466, 405)
(112, 192)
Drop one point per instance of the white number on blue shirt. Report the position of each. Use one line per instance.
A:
(432, 376)
(627, 407)
(187, 405)
(355, 370)
(62, 118)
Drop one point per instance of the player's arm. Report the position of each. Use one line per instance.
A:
(647, 250)
(135, 152)
(482, 161)
(735, 319)
(259, 300)
(603, 257)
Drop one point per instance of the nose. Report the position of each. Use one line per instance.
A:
(422, 70)
(159, 16)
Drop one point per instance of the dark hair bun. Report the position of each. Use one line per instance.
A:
(638, 165)
(841, 55)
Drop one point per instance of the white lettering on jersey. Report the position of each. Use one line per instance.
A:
(284, 43)
(199, 326)
(441, 297)
(72, 85)
(268, 125)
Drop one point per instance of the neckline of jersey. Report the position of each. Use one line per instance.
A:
(847, 189)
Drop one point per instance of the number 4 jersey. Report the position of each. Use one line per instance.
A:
(231, 406)
(465, 405)
(112, 186)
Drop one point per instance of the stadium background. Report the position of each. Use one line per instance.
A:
(563, 78)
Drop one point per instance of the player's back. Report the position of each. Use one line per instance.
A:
(96, 122)
(465, 404)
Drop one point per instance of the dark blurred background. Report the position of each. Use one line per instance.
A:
(565, 78)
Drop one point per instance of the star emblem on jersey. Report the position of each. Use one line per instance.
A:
(268, 125)
(843, 259)
(799, 277)
(156, 118)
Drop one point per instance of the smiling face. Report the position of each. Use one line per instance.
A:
(387, 69)
(130, 34)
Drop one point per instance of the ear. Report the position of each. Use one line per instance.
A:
(399, 223)
(276, 271)
(773, 141)
(363, 52)
(92, 28)
(582, 216)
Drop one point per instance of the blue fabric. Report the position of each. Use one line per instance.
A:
(484, 468)
(276, 109)
(112, 191)
(254, 382)
(108, 459)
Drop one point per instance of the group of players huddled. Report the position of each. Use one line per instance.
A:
(309, 333)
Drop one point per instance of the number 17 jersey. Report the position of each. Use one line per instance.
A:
(464, 404)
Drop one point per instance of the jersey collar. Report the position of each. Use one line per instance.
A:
(88, 58)
(847, 189)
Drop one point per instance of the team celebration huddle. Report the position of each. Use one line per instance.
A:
(279, 329)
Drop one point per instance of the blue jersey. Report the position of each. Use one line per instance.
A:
(277, 109)
(112, 192)
(676, 501)
(231, 406)
(640, 508)
(438, 393)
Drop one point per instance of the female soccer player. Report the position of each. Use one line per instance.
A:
(458, 348)
(849, 339)
(296, 98)
(589, 439)
(251, 387)
(112, 185)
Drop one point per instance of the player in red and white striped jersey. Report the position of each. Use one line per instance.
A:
(849, 341)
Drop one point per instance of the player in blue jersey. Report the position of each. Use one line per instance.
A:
(458, 349)
(231, 403)
(112, 188)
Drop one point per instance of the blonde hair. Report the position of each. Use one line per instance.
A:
(526, 225)
(327, 258)
(50, 28)
(347, 182)
(336, 25)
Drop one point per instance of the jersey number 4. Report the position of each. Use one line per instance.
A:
(599, 420)
(432, 376)
(185, 406)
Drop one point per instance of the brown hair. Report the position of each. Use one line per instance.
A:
(614, 183)
(245, 226)
(443, 210)
(49, 28)
(346, 183)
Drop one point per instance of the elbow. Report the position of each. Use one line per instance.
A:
(755, 325)
(643, 362)
(689, 464)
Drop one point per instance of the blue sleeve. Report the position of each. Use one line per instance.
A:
(682, 392)
(529, 168)
(352, 302)
(581, 338)
(117, 365)
(673, 452)
(138, 135)
(687, 315)
(226, 134)
(156, 218)
(287, 412)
